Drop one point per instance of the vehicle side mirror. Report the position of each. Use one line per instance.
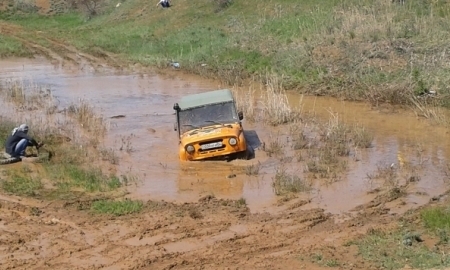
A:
(241, 115)
(175, 126)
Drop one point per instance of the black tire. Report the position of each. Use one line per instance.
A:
(41, 157)
(248, 154)
(10, 160)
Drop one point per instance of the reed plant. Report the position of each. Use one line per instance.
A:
(87, 116)
(28, 96)
(272, 106)
(276, 108)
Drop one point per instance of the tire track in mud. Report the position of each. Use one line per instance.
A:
(208, 234)
(125, 241)
(265, 238)
(59, 51)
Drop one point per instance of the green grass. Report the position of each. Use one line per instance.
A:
(66, 179)
(36, 22)
(117, 208)
(360, 50)
(389, 251)
(68, 176)
(437, 221)
(11, 47)
(21, 184)
(437, 218)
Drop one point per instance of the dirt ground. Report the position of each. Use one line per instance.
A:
(208, 234)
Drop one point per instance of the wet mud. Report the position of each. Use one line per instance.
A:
(38, 235)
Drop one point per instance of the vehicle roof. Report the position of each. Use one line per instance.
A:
(211, 97)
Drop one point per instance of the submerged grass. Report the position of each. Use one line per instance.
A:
(27, 96)
(86, 115)
(327, 156)
(429, 108)
(253, 169)
(285, 182)
(274, 107)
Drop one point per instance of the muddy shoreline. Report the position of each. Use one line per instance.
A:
(145, 142)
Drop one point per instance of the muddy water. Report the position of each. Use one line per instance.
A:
(147, 145)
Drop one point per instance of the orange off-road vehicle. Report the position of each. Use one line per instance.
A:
(209, 126)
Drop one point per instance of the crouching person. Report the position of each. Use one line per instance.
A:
(18, 141)
(164, 3)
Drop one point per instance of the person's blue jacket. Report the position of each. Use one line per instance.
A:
(13, 139)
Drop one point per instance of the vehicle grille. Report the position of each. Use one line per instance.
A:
(211, 145)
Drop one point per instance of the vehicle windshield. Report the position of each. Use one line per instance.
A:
(223, 113)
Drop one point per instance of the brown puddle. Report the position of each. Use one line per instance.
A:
(147, 145)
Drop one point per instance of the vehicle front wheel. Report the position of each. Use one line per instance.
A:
(249, 153)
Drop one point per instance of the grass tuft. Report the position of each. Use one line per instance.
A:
(241, 203)
(116, 208)
(276, 107)
(361, 137)
(69, 176)
(27, 96)
(437, 218)
(252, 169)
(194, 213)
(21, 184)
(285, 182)
(87, 117)
(274, 146)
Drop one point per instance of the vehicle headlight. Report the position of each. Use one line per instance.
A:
(232, 141)
(190, 149)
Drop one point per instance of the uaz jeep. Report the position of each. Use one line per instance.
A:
(209, 126)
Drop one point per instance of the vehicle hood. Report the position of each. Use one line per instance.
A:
(211, 132)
